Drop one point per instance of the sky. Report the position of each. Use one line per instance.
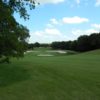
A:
(62, 20)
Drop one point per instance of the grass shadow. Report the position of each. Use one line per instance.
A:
(10, 74)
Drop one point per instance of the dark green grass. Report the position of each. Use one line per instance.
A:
(75, 77)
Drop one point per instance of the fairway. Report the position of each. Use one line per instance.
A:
(57, 77)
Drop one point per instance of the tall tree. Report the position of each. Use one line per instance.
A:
(13, 36)
(83, 43)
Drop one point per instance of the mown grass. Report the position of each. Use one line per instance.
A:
(74, 77)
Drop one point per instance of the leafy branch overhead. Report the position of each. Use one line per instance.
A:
(20, 6)
(13, 36)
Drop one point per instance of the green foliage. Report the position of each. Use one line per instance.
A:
(82, 44)
(13, 36)
(20, 6)
(36, 44)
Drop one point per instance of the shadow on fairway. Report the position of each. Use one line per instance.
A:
(10, 74)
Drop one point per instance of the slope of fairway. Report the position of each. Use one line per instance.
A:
(94, 52)
(74, 77)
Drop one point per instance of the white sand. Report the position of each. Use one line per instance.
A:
(45, 55)
(30, 51)
(58, 51)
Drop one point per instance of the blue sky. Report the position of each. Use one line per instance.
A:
(62, 20)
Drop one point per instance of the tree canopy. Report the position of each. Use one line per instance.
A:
(19, 6)
(13, 36)
(82, 44)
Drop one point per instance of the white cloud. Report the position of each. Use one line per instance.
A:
(54, 21)
(48, 32)
(66, 20)
(77, 1)
(52, 31)
(74, 20)
(48, 35)
(50, 1)
(89, 31)
(97, 3)
(79, 32)
(49, 25)
(96, 25)
(39, 33)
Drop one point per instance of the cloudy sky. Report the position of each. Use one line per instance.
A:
(62, 20)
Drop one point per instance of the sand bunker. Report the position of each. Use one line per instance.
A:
(57, 51)
(35, 51)
(30, 51)
(48, 55)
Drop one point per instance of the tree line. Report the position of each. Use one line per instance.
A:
(82, 44)
(31, 46)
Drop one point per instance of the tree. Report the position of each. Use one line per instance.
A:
(68, 45)
(45, 45)
(94, 41)
(55, 45)
(36, 44)
(73, 45)
(30, 46)
(83, 43)
(13, 36)
(19, 6)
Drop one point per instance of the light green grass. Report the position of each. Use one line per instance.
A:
(75, 77)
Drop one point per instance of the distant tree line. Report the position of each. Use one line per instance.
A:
(31, 46)
(82, 44)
